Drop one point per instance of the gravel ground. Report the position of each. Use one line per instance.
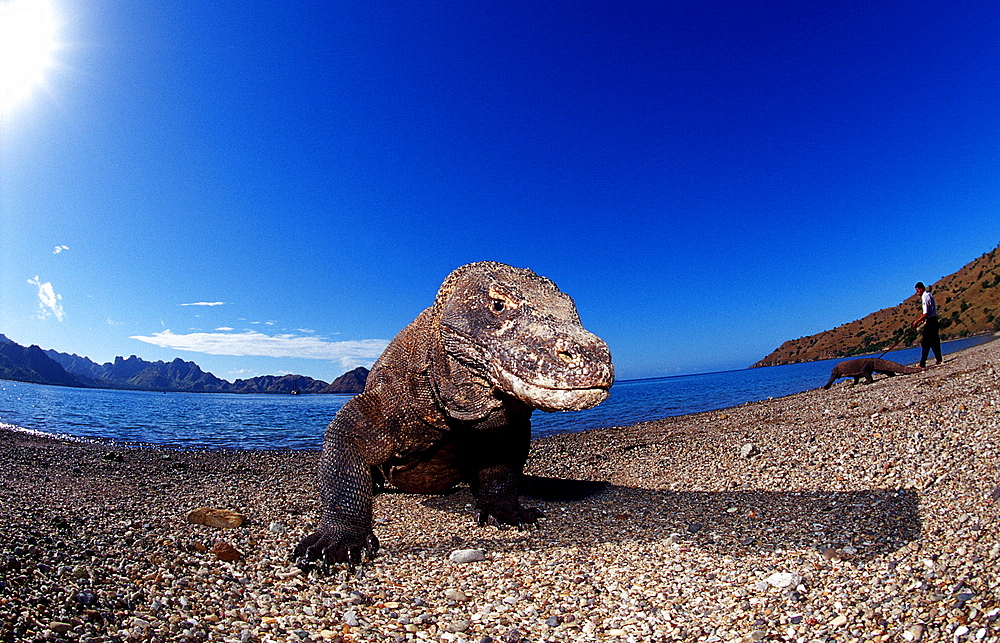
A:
(863, 513)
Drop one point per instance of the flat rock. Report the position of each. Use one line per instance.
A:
(221, 518)
(467, 555)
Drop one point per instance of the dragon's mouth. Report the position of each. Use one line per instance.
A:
(548, 398)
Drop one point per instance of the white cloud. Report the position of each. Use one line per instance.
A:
(251, 343)
(59, 249)
(205, 303)
(224, 328)
(49, 302)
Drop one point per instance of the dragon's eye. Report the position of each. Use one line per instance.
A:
(497, 305)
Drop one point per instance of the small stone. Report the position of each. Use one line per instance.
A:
(59, 627)
(467, 555)
(456, 595)
(277, 528)
(695, 527)
(552, 621)
(513, 636)
(748, 451)
(784, 579)
(221, 518)
(226, 552)
(839, 621)
(962, 599)
(86, 598)
(914, 633)
(831, 554)
(351, 618)
(460, 625)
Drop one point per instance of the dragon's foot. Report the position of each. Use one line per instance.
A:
(329, 546)
(507, 514)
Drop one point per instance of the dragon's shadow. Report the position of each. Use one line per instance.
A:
(871, 521)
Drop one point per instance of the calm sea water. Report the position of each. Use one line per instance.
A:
(210, 420)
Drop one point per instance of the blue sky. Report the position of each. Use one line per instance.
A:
(706, 180)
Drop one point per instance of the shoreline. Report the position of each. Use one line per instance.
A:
(157, 420)
(862, 513)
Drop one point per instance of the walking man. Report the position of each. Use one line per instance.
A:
(929, 338)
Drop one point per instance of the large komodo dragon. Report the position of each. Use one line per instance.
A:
(450, 401)
(858, 368)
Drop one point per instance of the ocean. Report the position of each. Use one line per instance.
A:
(229, 421)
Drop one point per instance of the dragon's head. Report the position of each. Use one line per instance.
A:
(521, 335)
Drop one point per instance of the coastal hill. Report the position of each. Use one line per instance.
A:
(31, 364)
(38, 366)
(968, 303)
(349, 382)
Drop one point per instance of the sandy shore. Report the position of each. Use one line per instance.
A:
(863, 513)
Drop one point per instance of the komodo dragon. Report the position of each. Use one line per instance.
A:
(858, 368)
(450, 401)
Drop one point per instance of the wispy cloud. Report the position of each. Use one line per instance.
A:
(205, 303)
(59, 249)
(224, 328)
(49, 302)
(255, 344)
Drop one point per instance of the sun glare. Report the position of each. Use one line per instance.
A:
(27, 47)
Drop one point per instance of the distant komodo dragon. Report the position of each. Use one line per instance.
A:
(450, 401)
(858, 368)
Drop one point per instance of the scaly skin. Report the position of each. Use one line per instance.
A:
(450, 401)
(858, 368)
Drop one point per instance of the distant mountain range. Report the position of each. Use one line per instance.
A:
(32, 364)
(968, 303)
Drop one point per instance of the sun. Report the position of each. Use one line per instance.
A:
(27, 48)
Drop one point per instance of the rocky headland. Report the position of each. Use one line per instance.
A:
(862, 513)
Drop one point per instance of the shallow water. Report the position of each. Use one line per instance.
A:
(213, 420)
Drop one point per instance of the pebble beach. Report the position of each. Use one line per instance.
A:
(866, 513)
